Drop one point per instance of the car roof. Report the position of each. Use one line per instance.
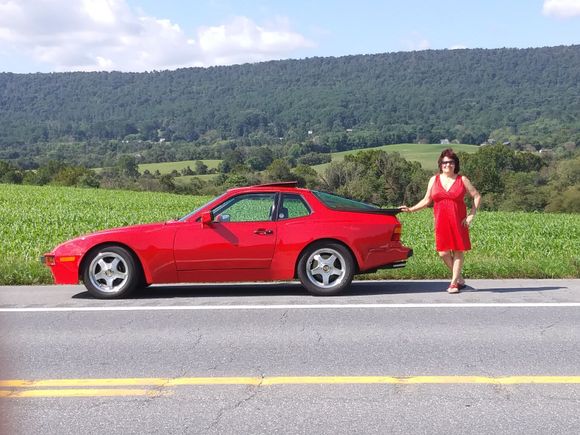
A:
(287, 186)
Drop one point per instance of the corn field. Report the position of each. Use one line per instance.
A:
(34, 219)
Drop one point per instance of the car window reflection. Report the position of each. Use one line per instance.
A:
(253, 207)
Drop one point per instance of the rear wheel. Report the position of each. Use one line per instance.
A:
(111, 272)
(326, 268)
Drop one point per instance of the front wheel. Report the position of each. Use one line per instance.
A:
(111, 272)
(326, 268)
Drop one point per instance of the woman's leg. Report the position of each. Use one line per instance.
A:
(457, 267)
(447, 258)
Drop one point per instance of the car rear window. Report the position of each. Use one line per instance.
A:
(337, 202)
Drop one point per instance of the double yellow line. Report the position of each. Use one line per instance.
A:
(153, 387)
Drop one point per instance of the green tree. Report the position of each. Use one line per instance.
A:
(279, 170)
(128, 167)
(10, 173)
(377, 177)
(259, 158)
(200, 167)
(567, 201)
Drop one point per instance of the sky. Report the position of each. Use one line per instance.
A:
(155, 35)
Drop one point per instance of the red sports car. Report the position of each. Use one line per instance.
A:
(271, 232)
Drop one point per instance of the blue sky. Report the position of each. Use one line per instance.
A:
(146, 35)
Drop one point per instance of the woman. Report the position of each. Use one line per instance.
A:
(447, 191)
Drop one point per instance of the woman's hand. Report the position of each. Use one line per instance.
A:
(467, 221)
(405, 209)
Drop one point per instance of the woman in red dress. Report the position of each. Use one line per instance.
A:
(447, 191)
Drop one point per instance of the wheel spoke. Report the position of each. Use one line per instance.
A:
(115, 264)
(338, 275)
(110, 281)
(318, 258)
(337, 271)
(317, 270)
(103, 265)
(100, 275)
(119, 275)
(330, 260)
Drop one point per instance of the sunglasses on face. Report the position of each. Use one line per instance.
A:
(447, 162)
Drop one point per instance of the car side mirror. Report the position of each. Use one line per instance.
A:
(206, 218)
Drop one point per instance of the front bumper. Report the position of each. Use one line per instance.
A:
(64, 269)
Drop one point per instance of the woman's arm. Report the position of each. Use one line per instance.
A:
(476, 200)
(424, 202)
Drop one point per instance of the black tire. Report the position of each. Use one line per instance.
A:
(111, 272)
(326, 268)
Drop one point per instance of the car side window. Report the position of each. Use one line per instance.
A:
(252, 207)
(292, 206)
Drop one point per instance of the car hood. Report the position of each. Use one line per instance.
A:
(139, 228)
(81, 243)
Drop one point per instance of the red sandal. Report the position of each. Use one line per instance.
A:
(453, 288)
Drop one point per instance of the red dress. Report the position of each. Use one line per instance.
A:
(450, 210)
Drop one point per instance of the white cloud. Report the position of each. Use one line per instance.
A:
(561, 8)
(94, 35)
(243, 39)
(416, 41)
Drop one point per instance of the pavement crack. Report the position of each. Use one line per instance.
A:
(544, 329)
(253, 392)
(284, 318)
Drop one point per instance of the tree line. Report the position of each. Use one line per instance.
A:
(527, 97)
(509, 180)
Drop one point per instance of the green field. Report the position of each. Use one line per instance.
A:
(425, 154)
(505, 245)
(167, 167)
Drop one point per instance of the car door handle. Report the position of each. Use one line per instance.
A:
(263, 232)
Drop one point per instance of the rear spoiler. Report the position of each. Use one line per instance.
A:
(385, 211)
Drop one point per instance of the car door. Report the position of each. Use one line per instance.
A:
(242, 235)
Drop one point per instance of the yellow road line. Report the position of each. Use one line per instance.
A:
(123, 382)
(421, 380)
(286, 380)
(95, 392)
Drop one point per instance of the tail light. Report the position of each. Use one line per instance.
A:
(396, 236)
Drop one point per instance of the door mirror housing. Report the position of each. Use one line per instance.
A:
(206, 218)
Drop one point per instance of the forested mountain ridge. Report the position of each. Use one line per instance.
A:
(401, 97)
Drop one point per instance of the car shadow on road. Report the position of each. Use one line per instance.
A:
(359, 288)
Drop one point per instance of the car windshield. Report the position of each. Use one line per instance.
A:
(337, 202)
(187, 216)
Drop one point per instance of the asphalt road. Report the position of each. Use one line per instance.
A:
(387, 357)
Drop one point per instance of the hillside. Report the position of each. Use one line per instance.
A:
(400, 97)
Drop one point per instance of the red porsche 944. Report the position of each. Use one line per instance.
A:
(272, 232)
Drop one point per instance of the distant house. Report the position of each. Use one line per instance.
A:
(444, 141)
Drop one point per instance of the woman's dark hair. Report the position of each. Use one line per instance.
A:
(449, 154)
